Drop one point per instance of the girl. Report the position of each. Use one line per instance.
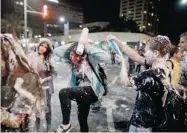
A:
(85, 85)
(157, 102)
(40, 61)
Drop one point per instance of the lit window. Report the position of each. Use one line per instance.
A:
(21, 3)
(157, 19)
(149, 24)
(152, 14)
(145, 12)
(129, 11)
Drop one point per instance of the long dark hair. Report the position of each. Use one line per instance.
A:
(47, 55)
(73, 48)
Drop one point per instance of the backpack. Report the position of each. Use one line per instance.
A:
(101, 77)
(172, 64)
(172, 67)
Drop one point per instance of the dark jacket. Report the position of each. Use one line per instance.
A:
(150, 110)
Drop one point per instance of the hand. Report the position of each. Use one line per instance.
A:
(111, 37)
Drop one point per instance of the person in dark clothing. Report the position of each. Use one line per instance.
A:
(131, 66)
(113, 54)
(158, 105)
(85, 87)
(138, 67)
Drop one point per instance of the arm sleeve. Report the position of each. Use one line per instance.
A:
(61, 51)
(97, 53)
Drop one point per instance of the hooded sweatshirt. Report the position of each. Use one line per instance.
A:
(43, 68)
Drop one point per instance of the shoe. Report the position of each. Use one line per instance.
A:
(61, 129)
(95, 107)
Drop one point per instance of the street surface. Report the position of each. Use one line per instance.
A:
(116, 108)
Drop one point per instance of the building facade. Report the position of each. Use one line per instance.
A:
(144, 12)
(51, 24)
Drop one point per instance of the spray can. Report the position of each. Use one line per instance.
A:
(115, 47)
(83, 38)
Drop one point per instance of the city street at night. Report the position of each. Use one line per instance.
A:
(116, 108)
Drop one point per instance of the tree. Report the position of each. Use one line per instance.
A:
(13, 23)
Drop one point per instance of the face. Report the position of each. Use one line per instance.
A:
(75, 59)
(183, 43)
(150, 55)
(43, 48)
(178, 55)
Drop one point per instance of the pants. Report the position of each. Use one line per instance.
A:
(138, 67)
(133, 129)
(48, 114)
(113, 60)
(84, 96)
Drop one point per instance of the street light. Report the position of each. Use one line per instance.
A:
(45, 11)
(62, 19)
(184, 2)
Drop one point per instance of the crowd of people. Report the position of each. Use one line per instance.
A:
(161, 102)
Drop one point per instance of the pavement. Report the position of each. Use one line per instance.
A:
(116, 108)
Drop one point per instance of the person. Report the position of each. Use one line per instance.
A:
(41, 61)
(131, 66)
(157, 102)
(84, 87)
(21, 91)
(113, 54)
(173, 65)
(182, 84)
(138, 67)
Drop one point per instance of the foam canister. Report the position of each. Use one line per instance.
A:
(115, 47)
(83, 38)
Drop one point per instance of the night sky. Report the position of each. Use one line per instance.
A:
(173, 17)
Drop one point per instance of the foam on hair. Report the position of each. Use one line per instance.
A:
(160, 43)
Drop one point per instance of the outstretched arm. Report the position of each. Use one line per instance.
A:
(131, 53)
(124, 74)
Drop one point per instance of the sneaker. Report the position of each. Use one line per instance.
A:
(95, 109)
(61, 129)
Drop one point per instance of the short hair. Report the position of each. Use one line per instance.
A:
(174, 50)
(184, 35)
(160, 43)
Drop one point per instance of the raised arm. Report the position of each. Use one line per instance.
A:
(97, 54)
(61, 51)
(131, 53)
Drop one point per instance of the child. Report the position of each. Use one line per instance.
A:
(85, 84)
(156, 102)
(173, 65)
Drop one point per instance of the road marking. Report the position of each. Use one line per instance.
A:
(110, 120)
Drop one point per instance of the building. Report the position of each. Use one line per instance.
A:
(144, 12)
(130, 39)
(51, 24)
